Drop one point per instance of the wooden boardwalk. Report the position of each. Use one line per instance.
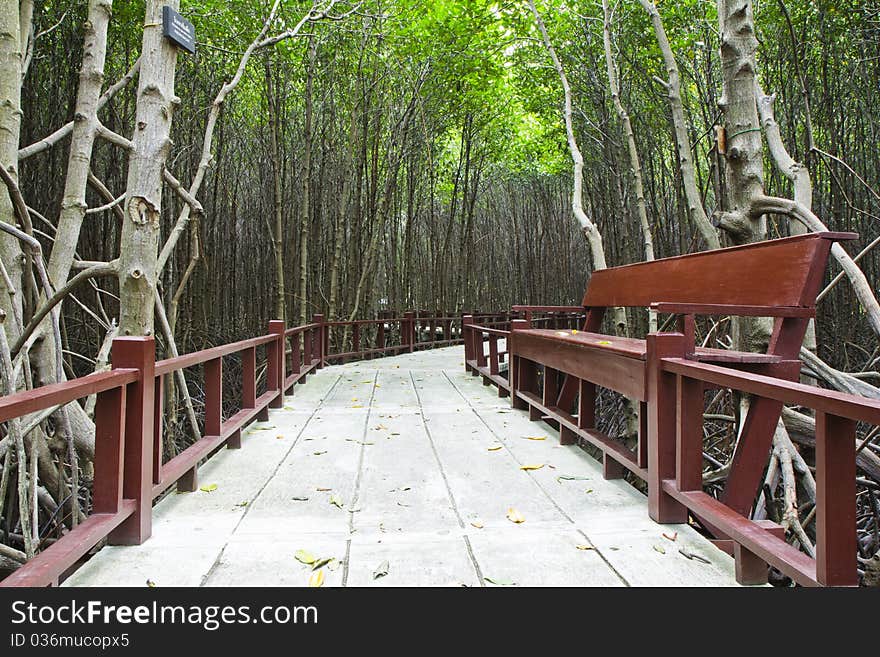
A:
(411, 465)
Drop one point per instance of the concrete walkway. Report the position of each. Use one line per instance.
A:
(410, 465)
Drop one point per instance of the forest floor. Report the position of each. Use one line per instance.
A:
(406, 471)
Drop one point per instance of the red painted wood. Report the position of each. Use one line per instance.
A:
(836, 541)
(54, 561)
(296, 357)
(31, 401)
(249, 378)
(551, 386)
(730, 309)
(158, 427)
(689, 434)
(787, 558)
(586, 404)
(788, 392)
(109, 450)
(275, 373)
(704, 278)
(320, 344)
(602, 366)
(750, 569)
(213, 396)
(642, 446)
(198, 357)
(661, 427)
(137, 353)
(493, 354)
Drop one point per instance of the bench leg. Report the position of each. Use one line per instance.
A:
(611, 468)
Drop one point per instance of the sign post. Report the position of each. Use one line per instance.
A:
(178, 30)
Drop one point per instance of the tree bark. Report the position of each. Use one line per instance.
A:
(138, 265)
(679, 123)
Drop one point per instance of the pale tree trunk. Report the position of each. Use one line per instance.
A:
(73, 202)
(634, 163)
(695, 208)
(138, 265)
(797, 174)
(277, 207)
(342, 217)
(306, 188)
(85, 127)
(591, 231)
(10, 125)
(743, 148)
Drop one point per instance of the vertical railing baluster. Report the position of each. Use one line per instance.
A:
(109, 450)
(275, 364)
(158, 427)
(836, 539)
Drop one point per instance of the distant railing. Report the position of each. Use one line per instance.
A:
(480, 330)
(129, 473)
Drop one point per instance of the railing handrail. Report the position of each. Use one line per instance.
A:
(842, 404)
(169, 365)
(55, 394)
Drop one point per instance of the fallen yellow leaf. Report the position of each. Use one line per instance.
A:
(533, 466)
(604, 342)
(494, 448)
(477, 524)
(306, 557)
(535, 437)
(209, 488)
(584, 547)
(357, 406)
(515, 516)
(574, 332)
(317, 579)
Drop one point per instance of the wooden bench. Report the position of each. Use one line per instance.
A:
(777, 278)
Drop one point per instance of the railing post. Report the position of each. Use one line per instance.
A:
(137, 470)
(466, 323)
(319, 339)
(661, 393)
(513, 371)
(296, 353)
(410, 323)
(275, 367)
(836, 540)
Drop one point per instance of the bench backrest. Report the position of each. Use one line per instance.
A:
(773, 274)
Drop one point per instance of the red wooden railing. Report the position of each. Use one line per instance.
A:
(477, 332)
(670, 454)
(129, 471)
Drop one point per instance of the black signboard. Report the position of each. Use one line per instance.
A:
(178, 30)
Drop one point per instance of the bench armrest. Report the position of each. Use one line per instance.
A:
(725, 309)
